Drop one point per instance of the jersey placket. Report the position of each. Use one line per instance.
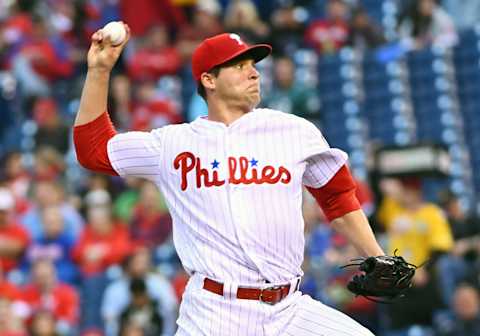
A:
(231, 140)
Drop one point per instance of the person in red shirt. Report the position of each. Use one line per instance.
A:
(205, 23)
(11, 322)
(8, 290)
(151, 224)
(103, 244)
(141, 15)
(329, 34)
(45, 292)
(155, 58)
(13, 237)
(39, 59)
(151, 110)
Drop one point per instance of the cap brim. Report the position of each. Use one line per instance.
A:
(257, 52)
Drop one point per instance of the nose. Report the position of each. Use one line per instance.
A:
(254, 74)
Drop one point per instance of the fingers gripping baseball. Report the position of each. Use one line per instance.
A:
(103, 54)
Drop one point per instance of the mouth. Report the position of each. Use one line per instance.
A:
(255, 87)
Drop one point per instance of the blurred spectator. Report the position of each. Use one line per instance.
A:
(49, 193)
(15, 25)
(465, 13)
(205, 23)
(417, 229)
(46, 292)
(93, 14)
(151, 224)
(287, 28)
(142, 310)
(462, 264)
(117, 296)
(97, 191)
(62, 18)
(463, 224)
(125, 202)
(17, 177)
(121, 102)
(52, 131)
(49, 164)
(10, 323)
(43, 324)
(426, 23)
(241, 17)
(465, 318)
(18, 22)
(13, 238)
(331, 33)
(364, 33)
(97, 198)
(103, 243)
(40, 58)
(141, 15)
(414, 314)
(155, 57)
(8, 290)
(151, 109)
(289, 95)
(55, 244)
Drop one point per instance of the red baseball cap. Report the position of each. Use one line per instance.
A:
(222, 48)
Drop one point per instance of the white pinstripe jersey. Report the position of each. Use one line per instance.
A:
(234, 192)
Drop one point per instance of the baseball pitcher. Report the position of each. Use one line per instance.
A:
(233, 183)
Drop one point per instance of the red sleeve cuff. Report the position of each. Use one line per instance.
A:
(91, 140)
(337, 197)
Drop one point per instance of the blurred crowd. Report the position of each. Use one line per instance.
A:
(86, 254)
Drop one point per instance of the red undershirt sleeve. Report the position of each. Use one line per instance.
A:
(337, 197)
(90, 142)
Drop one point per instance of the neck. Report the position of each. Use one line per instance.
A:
(226, 113)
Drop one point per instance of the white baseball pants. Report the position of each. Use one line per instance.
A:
(203, 313)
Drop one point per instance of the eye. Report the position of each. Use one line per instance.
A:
(239, 66)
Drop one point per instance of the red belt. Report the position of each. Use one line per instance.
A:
(270, 295)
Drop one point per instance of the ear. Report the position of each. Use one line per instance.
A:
(208, 80)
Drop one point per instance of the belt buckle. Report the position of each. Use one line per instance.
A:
(276, 289)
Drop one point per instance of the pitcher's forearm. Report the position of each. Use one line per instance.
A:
(93, 101)
(355, 227)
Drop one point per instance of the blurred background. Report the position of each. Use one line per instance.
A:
(395, 83)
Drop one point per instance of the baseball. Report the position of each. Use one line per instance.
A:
(116, 31)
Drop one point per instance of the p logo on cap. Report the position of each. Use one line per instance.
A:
(237, 38)
(222, 48)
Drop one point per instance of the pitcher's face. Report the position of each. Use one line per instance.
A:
(239, 82)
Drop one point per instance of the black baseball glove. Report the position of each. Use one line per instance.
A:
(385, 277)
